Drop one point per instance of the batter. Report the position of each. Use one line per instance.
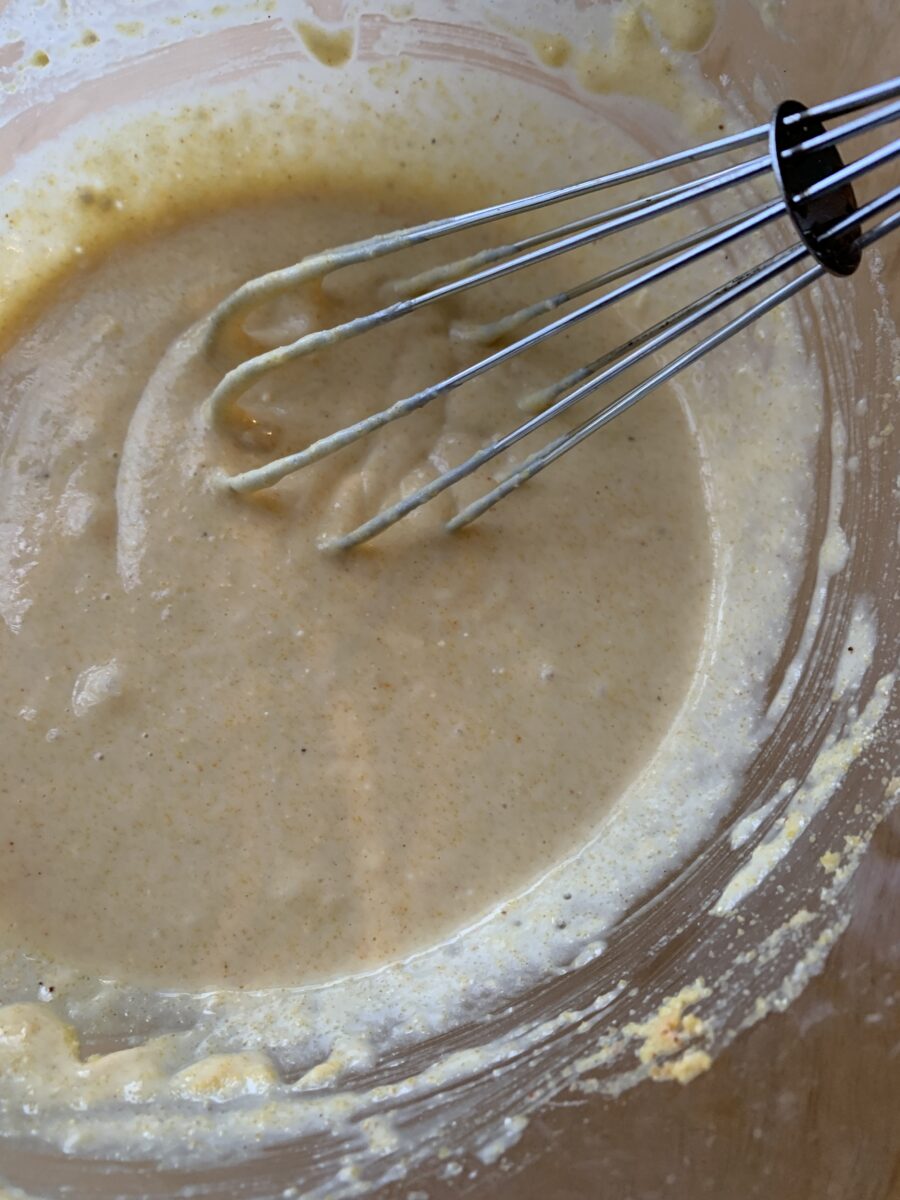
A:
(253, 763)
(272, 819)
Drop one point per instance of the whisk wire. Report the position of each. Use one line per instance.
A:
(272, 472)
(815, 191)
(276, 282)
(550, 453)
(831, 137)
(854, 170)
(491, 331)
(543, 458)
(238, 380)
(843, 106)
(664, 332)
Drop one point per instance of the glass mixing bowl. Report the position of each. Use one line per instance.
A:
(771, 1117)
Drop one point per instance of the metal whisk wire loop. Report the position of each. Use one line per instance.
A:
(814, 190)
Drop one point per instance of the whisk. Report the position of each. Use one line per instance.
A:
(814, 190)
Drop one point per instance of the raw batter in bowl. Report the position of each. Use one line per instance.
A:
(280, 765)
(269, 813)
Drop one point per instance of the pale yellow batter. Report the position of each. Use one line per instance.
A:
(229, 758)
